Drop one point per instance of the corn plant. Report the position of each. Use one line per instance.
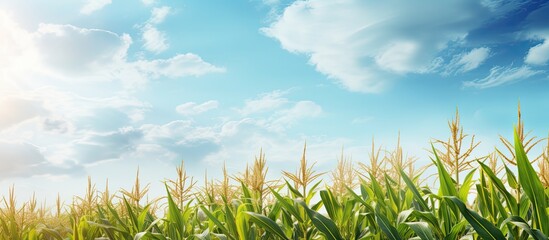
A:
(499, 196)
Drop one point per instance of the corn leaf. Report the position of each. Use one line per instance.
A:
(322, 223)
(267, 224)
(422, 230)
(531, 184)
(417, 196)
(385, 226)
(447, 185)
(521, 223)
(483, 227)
(511, 201)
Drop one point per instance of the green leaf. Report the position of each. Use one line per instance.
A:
(511, 201)
(511, 178)
(430, 218)
(287, 205)
(322, 223)
(174, 215)
(483, 227)
(330, 204)
(51, 233)
(217, 222)
(132, 215)
(421, 229)
(241, 222)
(466, 186)
(521, 223)
(417, 196)
(529, 180)
(390, 231)
(267, 224)
(447, 185)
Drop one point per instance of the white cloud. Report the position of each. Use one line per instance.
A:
(72, 51)
(158, 15)
(21, 159)
(467, 61)
(274, 112)
(266, 101)
(502, 75)
(155, 41)
(363, 45)
(474, 58)
(16, 50)
(94, 5)
(15, 110)
(185, 139)
(181, 65)
(103, 146)
(49, 97)
(56, 125)
(284, 119)
(149, 2)
(539, 54)
(191, 108)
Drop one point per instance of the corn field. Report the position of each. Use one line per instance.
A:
(503, 195)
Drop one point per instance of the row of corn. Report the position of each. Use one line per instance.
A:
(504, 195)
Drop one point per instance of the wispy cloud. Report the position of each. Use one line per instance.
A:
(285, 118)
(192, 108)
(264, 102)
(149, 2)
(71, 97)
(94, 5)
(16, 110)
(539, 54)
(465, 62)
(155, 40)
(22, 159)
(181, 65)
(75, 54)
(69, 51)
(502, 75)
(364, 45)
(159, 14)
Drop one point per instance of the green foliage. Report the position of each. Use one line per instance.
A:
(503, 206)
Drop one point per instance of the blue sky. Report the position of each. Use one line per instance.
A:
(99, 87)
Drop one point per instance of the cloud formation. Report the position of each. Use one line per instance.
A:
(181, 65)
(502, 75)
(67, 98)
(467, 61)
(94, 5)
(21, 159)
(192, 108)
(362, 45)
(70, 51)
(155, 40)
(264, 102)
(149, 2)
(539, 54)
(15, 110)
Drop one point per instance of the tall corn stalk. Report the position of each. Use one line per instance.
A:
(454, 155)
